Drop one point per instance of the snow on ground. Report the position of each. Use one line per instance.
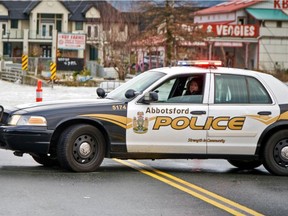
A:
(13, 94)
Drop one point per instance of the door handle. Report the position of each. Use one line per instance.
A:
(198, 112)
(264, 113)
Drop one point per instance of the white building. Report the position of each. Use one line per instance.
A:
(31, 28)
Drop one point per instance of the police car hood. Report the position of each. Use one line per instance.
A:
(63, 104)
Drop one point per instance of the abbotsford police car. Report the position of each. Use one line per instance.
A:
(239, 115)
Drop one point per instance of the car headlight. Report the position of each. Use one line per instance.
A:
(27, 120)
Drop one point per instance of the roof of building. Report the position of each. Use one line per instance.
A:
(229, 6)
(16, 11)
(267, 14)
(32, 5)
(21, 9)
(79, 8)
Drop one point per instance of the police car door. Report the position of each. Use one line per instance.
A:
(173, 124)
(238, 113)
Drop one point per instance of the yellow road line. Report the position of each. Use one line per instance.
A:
(157, 174)
(223, 199)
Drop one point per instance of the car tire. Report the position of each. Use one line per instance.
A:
(81, 148)
(45, 160)
(245, 164)
(276, 153)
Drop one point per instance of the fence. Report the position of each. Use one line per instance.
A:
(12, 71)
(12, 74)
(110, 85)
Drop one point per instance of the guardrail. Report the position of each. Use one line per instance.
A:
(12, 75)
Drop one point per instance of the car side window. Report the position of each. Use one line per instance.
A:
(257, 92)
(239, 89)
(175, 90)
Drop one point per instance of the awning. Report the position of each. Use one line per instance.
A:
(218, 23)
(267, 14)
(228, 44)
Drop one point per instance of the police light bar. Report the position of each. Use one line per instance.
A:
(200, 63)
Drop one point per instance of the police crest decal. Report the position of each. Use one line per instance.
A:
(140, 124)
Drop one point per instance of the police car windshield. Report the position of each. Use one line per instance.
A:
(138, 83)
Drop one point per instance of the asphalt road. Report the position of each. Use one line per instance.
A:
(124, 188)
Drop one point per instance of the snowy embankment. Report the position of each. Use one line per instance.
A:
(12, 94)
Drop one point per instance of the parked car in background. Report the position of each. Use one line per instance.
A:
(154, 61)
(148, 62)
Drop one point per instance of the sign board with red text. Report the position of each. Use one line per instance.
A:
(226, 30)
(71, 41)
(281, 4)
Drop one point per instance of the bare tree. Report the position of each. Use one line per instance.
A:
(117, 31)
(173, 21)
(150, 25)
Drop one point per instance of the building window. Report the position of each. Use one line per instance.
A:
(50, 30)
(96, 31)
(45, 19)
(93, 54)
(89, 31)
(14, 24)
(92, 31)
(59, 25)
(46, 51)
(79, 26)
(279, 24)
(4, 28)
(47, 16)
(242, 21)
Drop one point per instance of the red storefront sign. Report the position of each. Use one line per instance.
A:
(226, 30)
(281, 4)
(71, 41)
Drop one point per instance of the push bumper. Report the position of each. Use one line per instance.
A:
(25, 139)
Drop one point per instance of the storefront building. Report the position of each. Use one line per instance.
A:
(247, 33)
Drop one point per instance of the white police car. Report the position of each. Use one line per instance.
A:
(236, 114)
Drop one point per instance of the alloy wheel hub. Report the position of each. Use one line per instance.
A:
(284, 152)
(84, 149)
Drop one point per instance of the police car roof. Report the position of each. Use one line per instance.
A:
(195, 69)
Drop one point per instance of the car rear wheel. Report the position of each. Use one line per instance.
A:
(276, 153)
(245, 164)
(81, 148)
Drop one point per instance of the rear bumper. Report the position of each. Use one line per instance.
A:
(25, 139)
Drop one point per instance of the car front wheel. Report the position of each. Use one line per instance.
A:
(276, 153)
(81, 148)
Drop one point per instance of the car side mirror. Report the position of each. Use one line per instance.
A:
(101, 92)
(131, 93)
(150, 97)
